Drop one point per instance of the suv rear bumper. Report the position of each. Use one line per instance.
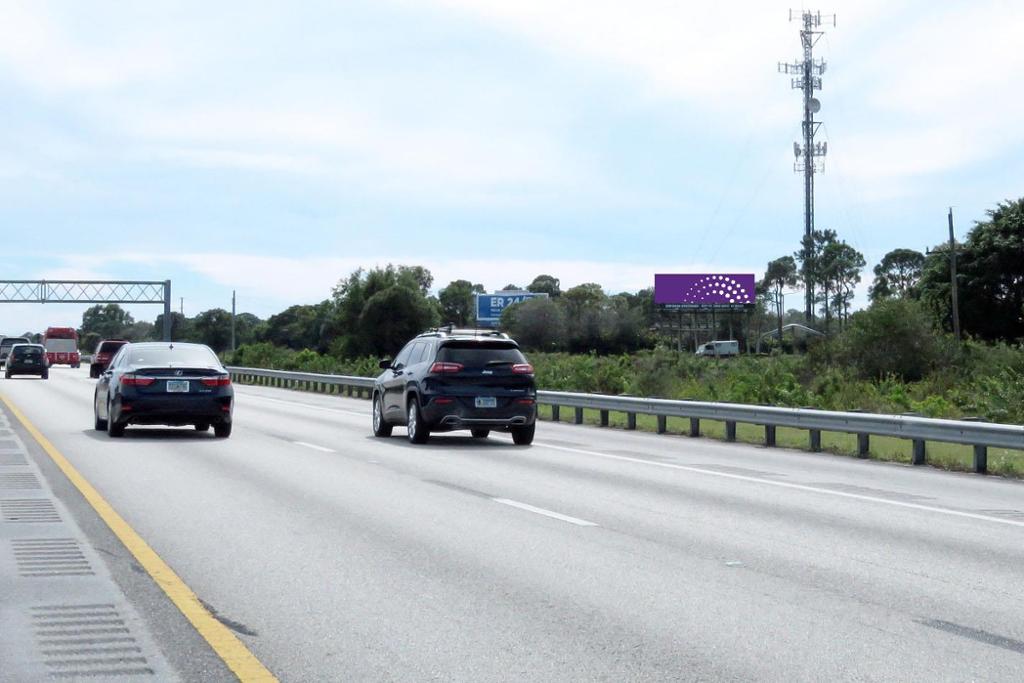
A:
(448, 416)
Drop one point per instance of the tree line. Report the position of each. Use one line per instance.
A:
(373, 312)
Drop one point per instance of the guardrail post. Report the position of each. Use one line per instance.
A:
(348, 390)
(980, 451)
(815, 439)
(730, 430)
(604, 418)
(662, 424)
(919, 455)
(578, 417)
(554, 413)
(769, 436)
(630, 420)
(863, 445)
(694, 426)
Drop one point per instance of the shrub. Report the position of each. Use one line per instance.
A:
(893, 337)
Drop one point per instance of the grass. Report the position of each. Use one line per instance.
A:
(948, 456)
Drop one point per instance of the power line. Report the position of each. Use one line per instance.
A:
(807, 75)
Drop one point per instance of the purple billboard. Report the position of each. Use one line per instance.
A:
(704, 289)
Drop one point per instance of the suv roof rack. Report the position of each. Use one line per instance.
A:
(451, 330)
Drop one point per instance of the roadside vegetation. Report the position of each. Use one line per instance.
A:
(898, 355)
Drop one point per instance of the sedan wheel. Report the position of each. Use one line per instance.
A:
(98, 424)
(114, 430)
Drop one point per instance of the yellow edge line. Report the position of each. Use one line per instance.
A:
(227, 646)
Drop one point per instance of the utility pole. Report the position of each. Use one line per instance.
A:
(182, 307)
(952, 277)
(807, 77)
(232, 320)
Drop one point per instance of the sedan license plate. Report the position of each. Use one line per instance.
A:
(177, 386)
(486, 402)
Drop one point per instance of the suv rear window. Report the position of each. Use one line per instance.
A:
(110, 346)
(28, 352)
(478, 354)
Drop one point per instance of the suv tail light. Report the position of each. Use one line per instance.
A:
(441, 367)
(137, 381)
(522, 369)
(218, 381)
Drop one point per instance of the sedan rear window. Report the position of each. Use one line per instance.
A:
(177, 355)
(479, 354)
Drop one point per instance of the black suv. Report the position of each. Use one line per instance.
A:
(449, 379)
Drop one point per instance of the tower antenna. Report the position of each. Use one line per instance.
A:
(806, 76)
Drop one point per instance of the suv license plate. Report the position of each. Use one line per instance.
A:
(486, 402)
(177, 386)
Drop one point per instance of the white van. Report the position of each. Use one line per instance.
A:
(719, 349)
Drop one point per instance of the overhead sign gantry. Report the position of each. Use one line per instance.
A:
(90, 292)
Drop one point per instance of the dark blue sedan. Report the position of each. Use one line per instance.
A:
(164, 383)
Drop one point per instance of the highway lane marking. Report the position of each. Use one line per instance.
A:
(789, 485)
(228, 647)
(304, 405)
(541, 511)
(322, 449)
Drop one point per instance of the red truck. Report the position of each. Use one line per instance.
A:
(62, 346)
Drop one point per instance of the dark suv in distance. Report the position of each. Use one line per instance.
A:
(448, 379)
(27, 359)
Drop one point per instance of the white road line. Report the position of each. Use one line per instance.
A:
(322, 449)
(542, 511)
(787, 485)
(302, 404)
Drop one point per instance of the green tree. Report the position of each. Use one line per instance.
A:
(248, 328)
(392, 316)
(213, 328)
(897, 274)
(841, 268)
(298, 327)
(990, 282)
(107, 320)
(537, 324)
(352, 295)
(88, 341)
(779, 276)
(458, 302)
(545, 284)
(141, 331)
(892, 337)
(181, 328)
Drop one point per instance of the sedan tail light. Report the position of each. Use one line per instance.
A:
(522, 369)
(441, 367)
(218, 381)
(137, 381)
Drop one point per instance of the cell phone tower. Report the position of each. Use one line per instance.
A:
(806, 76)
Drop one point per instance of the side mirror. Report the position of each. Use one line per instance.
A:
(384, 364)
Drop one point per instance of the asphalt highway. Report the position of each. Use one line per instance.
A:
(593, 554)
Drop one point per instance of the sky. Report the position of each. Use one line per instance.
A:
(272, 148)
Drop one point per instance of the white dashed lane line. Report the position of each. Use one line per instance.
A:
(541, 511)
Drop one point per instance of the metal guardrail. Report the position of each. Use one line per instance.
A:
(919, 430)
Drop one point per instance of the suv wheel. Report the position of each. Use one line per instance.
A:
(222, 430)
(479, 432)
(523, 436)
(381, 427)
(418, 432)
